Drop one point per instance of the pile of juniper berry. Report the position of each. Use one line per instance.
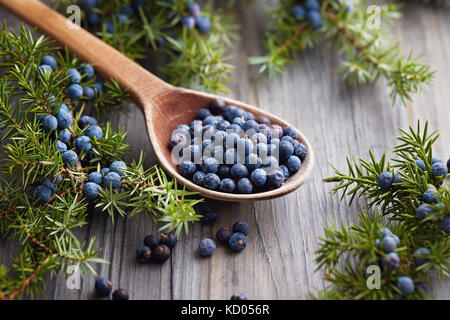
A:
(156, 249)
(57, 124)
(230, 150)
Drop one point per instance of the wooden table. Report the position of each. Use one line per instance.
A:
(337, 119)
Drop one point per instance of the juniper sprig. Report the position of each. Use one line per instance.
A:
(346, 252)
(194, 59)
(369, 52)
(44, 197)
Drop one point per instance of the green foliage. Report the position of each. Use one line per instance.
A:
(369, 53)
(45, 230)
(345, 252)
(193, 60)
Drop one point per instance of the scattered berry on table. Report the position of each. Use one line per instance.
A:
(238, 296)
(151, 241)
(169, 240)
(242, 227)
(206, 247)
(143, 254)
(161, 253)
(103, 287)
(223, 235)
(209, 218)
(120, 294)
(237, 242)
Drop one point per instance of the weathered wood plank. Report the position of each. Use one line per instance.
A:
(338, 120)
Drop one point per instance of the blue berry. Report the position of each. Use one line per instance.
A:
(385, 180)
(445, 224)
(89, 3)
(206, 247)
(314, 19)
(298, 12)
(126, 10)
(70, 158)
(389, 244)
(238, 171)
(261, 150)
(252, 161)
(230, 157)
(169, 240)
(103, 287)
(420, 164)
(421, 256)
(192, 153)
(290, 131)
(244, 146)
(104, 171)
(435, 160)
(244, 186)
(75, 91)
(161, 253)
(112, 179)
(151, 241)
(64, 136)
(396, 181)
(242, 227)
(91, 190)
(88, 93)
(179, 138)
(98, 87)
(83, 143)
(238, 296)
(209, 218)
(275, 178)
(285, 171)
(312, 5)
(203, 113)
(50, 61)
(405, 285)
(88, 71)
(50, 123)
(198, 178)
(239, 113)
(391, 261)
(224, 171)
(237, 242)
(74, 76)
(270, 162)
(64, 119)
(258, 177)
(251, 125)
(438, 169)
(227, 185)
(45, 69)
(143, 254)
(57, 179)
(211, 181)
(52, 186)
(86, 121)
(223, 235)
(95, 177)
(194, 9)
(110, 28)
(210, 165)
(61, 146)
(300, 151)
(122, 18)
(430, 196)
(385, 232)
(423, 211)
(94, 131)
(188, 22)
(43, 193)
(203, 24)
(293, 164)
(93, 18)
(118, 167)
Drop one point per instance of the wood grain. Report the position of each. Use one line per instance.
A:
(337, 119)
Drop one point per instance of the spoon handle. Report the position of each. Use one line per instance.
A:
(110, 63)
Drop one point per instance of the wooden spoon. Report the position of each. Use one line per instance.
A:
(163, 105)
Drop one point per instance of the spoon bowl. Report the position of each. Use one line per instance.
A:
(163, 105)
